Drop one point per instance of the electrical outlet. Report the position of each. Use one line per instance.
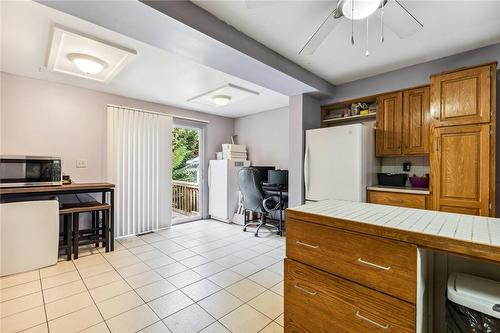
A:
(81, 163)
(407, 166)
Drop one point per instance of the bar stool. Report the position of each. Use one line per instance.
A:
(97, 233)
(67, 235)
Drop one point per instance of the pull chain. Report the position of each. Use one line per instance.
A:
(382, 22)
(352, 23)
(367, 53)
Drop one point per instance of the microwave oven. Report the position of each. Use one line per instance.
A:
(16, 171)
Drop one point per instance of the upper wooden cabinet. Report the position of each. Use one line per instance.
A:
(389, 124)
(416, 121)
(460, 169)
(462, 97)
(403, 123)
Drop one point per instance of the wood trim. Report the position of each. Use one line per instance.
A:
(493, 138)
(58, 188)
(433, 242)
(490, 63)
(340, 104)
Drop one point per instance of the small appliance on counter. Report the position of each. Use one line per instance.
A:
(392, 179)
(17, 171)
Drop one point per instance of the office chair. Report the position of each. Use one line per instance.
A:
(255, 200)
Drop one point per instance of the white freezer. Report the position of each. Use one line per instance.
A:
(223, 188)
(339, 162)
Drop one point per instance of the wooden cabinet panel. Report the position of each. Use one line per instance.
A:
(397, 199)
(460, 169)
(378, 263)
(317, 302)
(462, 97)
(389, 118)
(416, 121)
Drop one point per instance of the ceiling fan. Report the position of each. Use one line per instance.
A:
(390, 12)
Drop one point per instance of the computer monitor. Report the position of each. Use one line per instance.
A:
(264, 172)
(278, 177)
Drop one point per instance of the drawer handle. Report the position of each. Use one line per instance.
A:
(312, 293)
(307, 245)
(359, 315)
(385, 268)
(395, 200)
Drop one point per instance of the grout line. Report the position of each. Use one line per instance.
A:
(271, 245)
(88, 291)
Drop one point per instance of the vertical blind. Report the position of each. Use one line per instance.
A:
(139, 164)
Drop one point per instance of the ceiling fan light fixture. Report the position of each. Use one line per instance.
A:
(87, 64)
(362, 8)
(221, 100)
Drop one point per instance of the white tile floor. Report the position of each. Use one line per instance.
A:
(203, 276)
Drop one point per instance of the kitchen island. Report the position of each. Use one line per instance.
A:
(360, 267)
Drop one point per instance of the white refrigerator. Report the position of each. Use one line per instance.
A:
(339, 162)
(223, 188)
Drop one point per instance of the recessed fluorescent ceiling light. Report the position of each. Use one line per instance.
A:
(224, 95)
(86, 56)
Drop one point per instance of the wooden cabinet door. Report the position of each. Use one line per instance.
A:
(460, 169)
(416, 121)
(389, 119)
(462, 97)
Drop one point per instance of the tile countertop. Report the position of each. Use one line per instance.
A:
(474, 236)
(399, 189)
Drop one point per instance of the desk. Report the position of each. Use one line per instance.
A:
(78, 188)
(280, 190)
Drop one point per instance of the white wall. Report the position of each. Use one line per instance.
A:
(266, 136)
(46, 118)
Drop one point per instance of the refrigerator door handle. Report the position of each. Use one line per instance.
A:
(209, 176)
(306, 169)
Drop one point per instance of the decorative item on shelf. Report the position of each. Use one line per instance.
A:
(420, 181)
(347, 112)
(356, 108)
(372, 108)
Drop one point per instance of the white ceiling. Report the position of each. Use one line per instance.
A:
(153, 75)
(450, 27)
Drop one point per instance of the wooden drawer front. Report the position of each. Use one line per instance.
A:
(317, 302)
(397, 199)
(385, 265)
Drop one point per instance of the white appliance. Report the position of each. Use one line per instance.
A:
(35, 225)
(223, 188)
(339, 162)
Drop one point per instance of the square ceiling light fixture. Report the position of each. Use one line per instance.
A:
(84, 56)
(224, 95)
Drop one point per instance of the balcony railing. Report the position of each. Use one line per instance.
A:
(185, 198)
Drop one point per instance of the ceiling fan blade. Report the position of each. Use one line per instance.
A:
(320, 35)
(251, 4)
(400, 20)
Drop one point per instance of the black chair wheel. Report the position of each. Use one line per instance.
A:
(244, 229)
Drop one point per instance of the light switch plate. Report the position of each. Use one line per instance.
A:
(81, 163)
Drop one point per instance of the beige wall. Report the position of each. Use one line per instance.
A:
(266, 137)
(46, 118)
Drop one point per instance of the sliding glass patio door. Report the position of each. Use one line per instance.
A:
(188, 171)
